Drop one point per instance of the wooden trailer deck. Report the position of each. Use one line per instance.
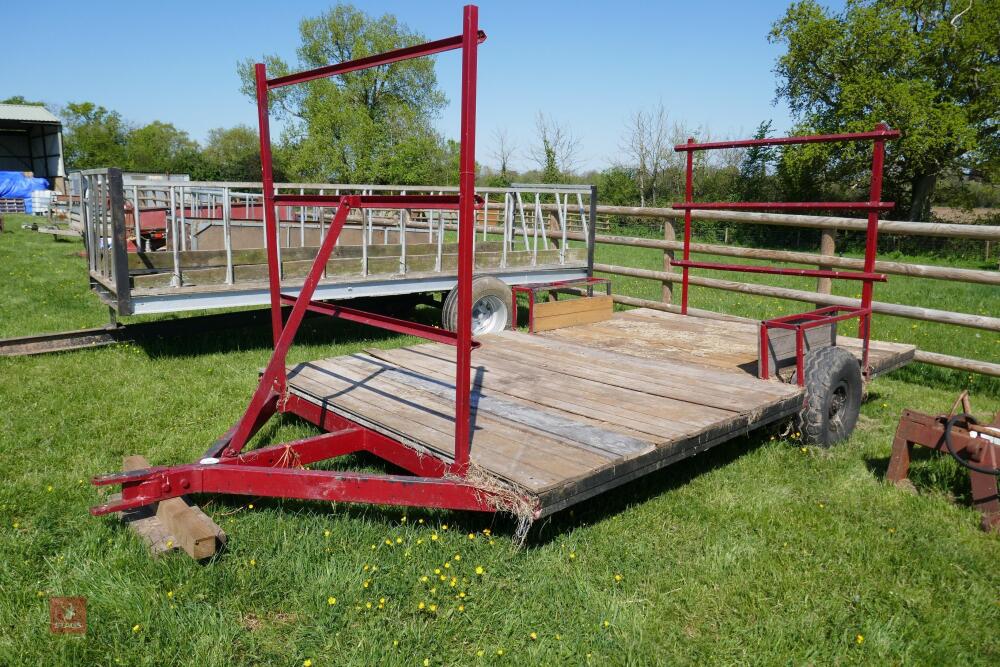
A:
(567, 414)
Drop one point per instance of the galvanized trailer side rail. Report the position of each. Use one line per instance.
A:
(193, 215)
(102, 209)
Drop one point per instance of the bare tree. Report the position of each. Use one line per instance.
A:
(503, 149)
(646, 144)
(557, 150)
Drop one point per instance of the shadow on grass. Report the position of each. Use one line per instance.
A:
(256, 334)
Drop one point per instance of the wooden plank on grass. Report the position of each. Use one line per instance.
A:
(175, 523)
(550, 315)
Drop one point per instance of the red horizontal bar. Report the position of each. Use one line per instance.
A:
(156, 484)
(819, 313)
(381, 321)
(780, 141)
(782, 271)
(428, 49)
(795, 205)
(435, 202)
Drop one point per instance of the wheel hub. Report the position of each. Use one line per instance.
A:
(489, 315)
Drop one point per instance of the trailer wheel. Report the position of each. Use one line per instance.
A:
(491, 310)
(833, 396)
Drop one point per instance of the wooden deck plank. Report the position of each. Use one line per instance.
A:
(587, 436)
(433, 431)
(651, 376)
(577, 396)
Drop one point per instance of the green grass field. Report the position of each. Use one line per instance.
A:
(758, 552)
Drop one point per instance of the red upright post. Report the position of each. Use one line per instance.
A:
(871, 243)
(270, 226)
(688, 199)
(466, 230)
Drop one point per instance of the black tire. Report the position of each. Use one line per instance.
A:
(487, 291)
(833, 396)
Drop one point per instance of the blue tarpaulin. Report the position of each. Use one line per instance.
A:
(15, 185)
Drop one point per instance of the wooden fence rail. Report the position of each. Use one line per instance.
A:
(825, 258)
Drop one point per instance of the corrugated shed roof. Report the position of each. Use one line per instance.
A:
(26, 112)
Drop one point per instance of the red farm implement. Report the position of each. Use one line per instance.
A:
(278, 470)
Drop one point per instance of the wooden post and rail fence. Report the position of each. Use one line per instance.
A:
(825, 258)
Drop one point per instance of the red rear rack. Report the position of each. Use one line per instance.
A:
(799, 323)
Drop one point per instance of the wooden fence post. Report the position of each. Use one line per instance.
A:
(668, 256)
(827, 246)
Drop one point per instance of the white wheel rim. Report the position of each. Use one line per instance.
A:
(489, 315)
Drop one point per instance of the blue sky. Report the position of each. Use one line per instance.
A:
(588, 65)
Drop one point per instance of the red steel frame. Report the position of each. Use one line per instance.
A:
(278, 470)
(822, 316)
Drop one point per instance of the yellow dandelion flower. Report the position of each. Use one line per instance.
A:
(558, 637)
(486, 531)
(533, 636)
(447, 566)
(427, 662)
(499, 651)
(437, 570)
(458, 556)
(434, 590)
(402, 519)
(461, 594)
(420, 520)
(618, 577)
(423, 579)
(399, 540)
(421, 605)
(368, 605)
(331, 600)
(572, 555)
(367, 583)
(479, 570)
(444, 527)
(420, 541)
(136, 628)
(607, 624)
(860, 639)
(441, 577)
(433, 607)
(253, 562)
(250, 506)
(170, 595)
(472, 536)
(434, 537)
(388, 541)
(480, 653)
(326, 533)
(381, 600)
(454, 582)
(307, 663)
(461, 607)
(170, 544)
(366, 567)
(49, 488)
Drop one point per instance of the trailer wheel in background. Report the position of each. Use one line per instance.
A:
(491, 310)
(833, 396)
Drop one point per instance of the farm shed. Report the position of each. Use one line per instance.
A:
(31, 140)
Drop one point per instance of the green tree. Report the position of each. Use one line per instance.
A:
(930, 68)
(20, 99)
(370, 126)
(160, 148)
(233, 154)
(93, 136)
